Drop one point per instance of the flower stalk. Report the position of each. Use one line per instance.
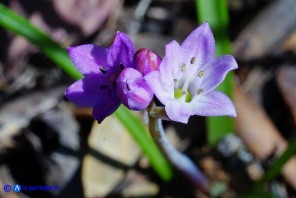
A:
(179, 161)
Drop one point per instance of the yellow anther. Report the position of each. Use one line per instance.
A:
(199, 91)
(183, 67)
(201, 73)
(192, 61)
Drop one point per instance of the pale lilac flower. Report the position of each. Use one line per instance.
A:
(132, 88)
(189, 74)
(100, 67)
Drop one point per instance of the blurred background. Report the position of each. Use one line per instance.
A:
(46, 140)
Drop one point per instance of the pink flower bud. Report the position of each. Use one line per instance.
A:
(146, 61)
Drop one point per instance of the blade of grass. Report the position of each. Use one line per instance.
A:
(216, 14)
(21, 26)
(275, 169)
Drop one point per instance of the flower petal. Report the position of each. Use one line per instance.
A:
(214, 103)
(161, 91)
(88, 58)
(133, 90)
(178, 110)
(121, 51)
(170, 65)
(215, 72)
(88, 91)
(200, 43)
(105, 108)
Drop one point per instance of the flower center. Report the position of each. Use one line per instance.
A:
(112, 82)
(179, 93)
(183, 89)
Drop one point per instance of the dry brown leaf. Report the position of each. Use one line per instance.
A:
(286, 80)
(269, 29)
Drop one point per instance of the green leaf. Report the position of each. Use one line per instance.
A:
(21, 26)
(215, 12)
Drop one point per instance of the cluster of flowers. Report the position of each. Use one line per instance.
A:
(183, 81)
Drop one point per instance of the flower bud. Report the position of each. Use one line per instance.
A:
(146, 61)
(132, 89)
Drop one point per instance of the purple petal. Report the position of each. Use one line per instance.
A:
(215, 72)
(169, 67)
(214, 103)
(121, 51)
(88, 58)
(146, 61)
(105, 108)
(133, 90)
(89, 90)
(178, 110)
(199, 44)
(161, 91)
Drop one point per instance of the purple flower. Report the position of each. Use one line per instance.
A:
(100, 67)
(133, 89)
(189, 74)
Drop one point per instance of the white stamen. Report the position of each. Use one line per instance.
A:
(176, 82)
(186, 85)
